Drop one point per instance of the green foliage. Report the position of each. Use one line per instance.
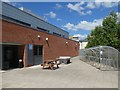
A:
(108, 34)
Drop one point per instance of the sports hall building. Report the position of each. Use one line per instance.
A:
(30, 39)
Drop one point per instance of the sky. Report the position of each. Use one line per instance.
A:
(77, 18)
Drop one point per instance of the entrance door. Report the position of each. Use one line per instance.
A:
(10, 57)
(38, 52)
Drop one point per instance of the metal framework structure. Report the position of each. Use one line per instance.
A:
(101, 57)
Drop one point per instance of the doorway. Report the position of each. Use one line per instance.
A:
(38, 54)
(10, 57)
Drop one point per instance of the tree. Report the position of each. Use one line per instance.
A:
(108, 34)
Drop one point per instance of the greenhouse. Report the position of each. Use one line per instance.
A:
(101, 57)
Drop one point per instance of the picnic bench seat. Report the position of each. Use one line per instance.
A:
(50, 64)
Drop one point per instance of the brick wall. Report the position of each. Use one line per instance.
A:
(55, 47)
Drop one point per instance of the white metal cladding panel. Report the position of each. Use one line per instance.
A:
(25, 17)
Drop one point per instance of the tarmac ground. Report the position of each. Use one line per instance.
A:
(77, 74)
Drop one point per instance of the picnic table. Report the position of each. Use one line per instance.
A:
(50, 64)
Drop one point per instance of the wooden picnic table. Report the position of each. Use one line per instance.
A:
(50, 63)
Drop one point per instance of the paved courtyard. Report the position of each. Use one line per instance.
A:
(77, 74)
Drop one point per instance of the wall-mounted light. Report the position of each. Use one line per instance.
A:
(20, 60)
(66, 42)
(76, 44)
(38, 36)
(46, 38)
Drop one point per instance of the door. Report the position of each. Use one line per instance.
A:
(38, 54)
(10, 57)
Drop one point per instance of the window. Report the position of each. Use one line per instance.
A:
(44, 30)
(57, 34)
(35, 50)
(75, 37)
(38, 50)
(16, 21)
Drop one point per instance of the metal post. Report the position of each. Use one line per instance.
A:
(100, 56)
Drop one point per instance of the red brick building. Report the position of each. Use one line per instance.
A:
(31, 45)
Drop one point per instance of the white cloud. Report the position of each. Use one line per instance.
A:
(106, 3)
(76, 7)
(82, 7)
(90, 5)
(107, 0)
(70, 26)
(81, 36)
(98, 4)
(58, 19)
(118, 15)
(57, 6)
(45, 18)
(21, 8)
(84, 25)
(109, 4)
(51, 14)
(89, 12)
